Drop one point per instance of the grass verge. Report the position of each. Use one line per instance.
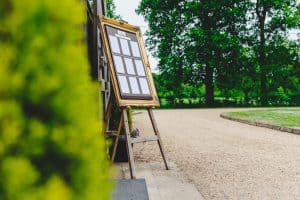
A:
(286, 117)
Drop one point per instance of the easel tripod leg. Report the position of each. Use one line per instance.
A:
(161, 148)
(128, 144)
(117, 138)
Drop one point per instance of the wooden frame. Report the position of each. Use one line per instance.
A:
(123, 122)
(122, 102)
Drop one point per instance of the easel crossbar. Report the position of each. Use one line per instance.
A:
(144, 139)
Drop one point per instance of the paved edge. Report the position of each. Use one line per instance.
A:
(261, 124)
(162, 184)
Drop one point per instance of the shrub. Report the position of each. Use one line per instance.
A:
(51, 145)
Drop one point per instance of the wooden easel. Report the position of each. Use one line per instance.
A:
(123, 122)
(148, 98)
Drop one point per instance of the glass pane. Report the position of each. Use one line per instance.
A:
(114, 44)
(129, 66)
(144, 86)
(135, 49)
(134, 85)
(140, 67)
(125, 47)
(124, 84)
(119, 64)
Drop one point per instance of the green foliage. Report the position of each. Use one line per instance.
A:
(236, 49)
(111, 10)
(195, 38)
(271, 22)
(51, 146)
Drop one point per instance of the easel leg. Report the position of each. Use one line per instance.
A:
(117, 138)
(128, 143)
(154, 125)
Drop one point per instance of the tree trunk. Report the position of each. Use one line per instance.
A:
(262, 62)
(262, 56)
(209, 86)
(263, 88)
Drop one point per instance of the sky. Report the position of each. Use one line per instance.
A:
(126, 8)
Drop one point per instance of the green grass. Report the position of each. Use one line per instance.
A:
(286, 117)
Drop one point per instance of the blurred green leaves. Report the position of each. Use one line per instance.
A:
(51, 144)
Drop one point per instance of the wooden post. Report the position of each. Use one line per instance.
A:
(129, 144)
(154, 125)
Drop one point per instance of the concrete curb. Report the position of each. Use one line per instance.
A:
(261, 124)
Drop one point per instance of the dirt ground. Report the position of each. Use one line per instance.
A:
(222, 158)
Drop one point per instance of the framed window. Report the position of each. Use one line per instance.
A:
(130, 70)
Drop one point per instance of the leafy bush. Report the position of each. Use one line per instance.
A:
(51, 145)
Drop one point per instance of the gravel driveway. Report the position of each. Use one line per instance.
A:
(225, 159)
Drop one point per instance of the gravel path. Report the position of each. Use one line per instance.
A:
(225, 159)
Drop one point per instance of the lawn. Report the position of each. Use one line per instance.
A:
(287, 117)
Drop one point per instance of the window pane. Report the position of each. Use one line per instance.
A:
(144, 86)
(119, 64)
(134, 85)
(129, 66)
(114, 44)
(135, 49)
(125, 47)
(124, 84)
(140, 67)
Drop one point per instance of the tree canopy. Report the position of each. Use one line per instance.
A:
(232, 46)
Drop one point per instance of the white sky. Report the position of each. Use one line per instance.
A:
(126, 8)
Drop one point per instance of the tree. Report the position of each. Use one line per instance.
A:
(51, 146)
(229, 45)
(192, 36)
(282, 58)
(215, 33)
(111, 10)
(166, 21)
(271, 19)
